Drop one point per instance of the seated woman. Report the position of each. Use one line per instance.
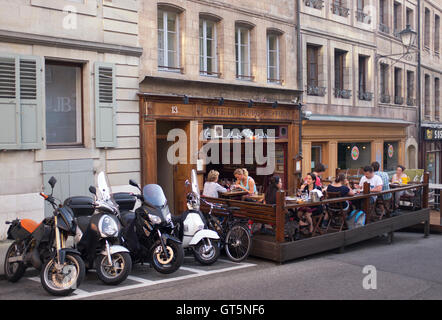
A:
(244, 182)
(274, 186)
(212, 187)
(397, 178)
(342, 186)
(308, 186)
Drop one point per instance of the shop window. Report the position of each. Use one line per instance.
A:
(354, 155)
(433, 166)
(63, 104)
(168, 40)
(391, 156)
(208, 47)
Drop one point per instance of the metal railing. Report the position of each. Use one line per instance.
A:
(316, 91)
(340, 10)
(342, 93)
(366, 96)
(384, 98)
(317, 4)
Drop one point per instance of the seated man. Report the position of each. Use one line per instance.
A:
(374, 181)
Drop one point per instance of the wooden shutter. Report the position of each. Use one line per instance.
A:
(20, 102)
(105, 106)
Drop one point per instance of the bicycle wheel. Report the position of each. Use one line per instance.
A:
(238, 242)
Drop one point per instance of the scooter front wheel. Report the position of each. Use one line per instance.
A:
(167, 262)
(62, 280)
(206, 254)
(117, 272)
(14, 270)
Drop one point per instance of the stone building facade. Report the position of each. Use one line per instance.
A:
(68, 99)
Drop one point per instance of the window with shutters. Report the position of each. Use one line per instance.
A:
(105, 105)
(63, 104)
(20, 102)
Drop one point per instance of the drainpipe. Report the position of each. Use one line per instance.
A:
(421, 149)
(299, 67)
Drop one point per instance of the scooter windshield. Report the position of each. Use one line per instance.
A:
(154, 195)
(195, 186)
(105, 191)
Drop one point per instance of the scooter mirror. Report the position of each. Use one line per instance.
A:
(93, 190)
(52, 181)
(134, 183)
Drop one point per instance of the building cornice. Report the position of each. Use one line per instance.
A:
(35, 39)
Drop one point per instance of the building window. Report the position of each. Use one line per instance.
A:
(383, 16)
(410, 18)
(362, 79)
(340, 75)
(427, 28)
(313, 72)
(339, 7)
(397, 19)
(63, 104)
(208, 54)
(168, 41)
(242, 49)
(360, 15)
(273, 74)
(410, 89)
(437, 98)
(436, 33)
(398, 99)
(383, 83)
(427, 107)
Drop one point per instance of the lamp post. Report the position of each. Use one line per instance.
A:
(408, 38)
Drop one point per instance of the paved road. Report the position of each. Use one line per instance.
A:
(411, 268)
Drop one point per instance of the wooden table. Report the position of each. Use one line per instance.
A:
(255, 197)
(233, 193)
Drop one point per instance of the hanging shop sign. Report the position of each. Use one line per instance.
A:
(355, 153)
(433, 134)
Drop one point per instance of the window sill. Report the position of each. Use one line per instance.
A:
(68, 153)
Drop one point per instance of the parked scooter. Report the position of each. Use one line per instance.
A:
(99, 232)
(43, 246)
(192, 229)
(148, 232)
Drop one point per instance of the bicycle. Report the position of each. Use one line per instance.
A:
(234, 233)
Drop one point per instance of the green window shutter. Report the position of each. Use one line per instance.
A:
(105, 106)
(20, 102)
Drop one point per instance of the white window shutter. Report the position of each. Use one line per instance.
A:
(105, 105)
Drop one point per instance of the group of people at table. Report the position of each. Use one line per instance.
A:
(378, 180)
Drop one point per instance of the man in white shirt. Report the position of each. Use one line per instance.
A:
(374, 180)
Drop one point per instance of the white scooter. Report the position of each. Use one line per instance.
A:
(192, 230)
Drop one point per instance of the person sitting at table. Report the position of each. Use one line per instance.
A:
(397, 178)
(212, 187)
(307, 187)
(244, 182)
(342, 186)
(274, 186)
(375, 182)
(318, 171)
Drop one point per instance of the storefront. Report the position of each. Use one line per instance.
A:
(218, 134)
(352, 143)
(432, 151)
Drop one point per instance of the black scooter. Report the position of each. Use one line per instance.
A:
(43, 246)
(148, 232)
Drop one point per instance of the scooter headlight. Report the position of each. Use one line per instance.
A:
(107, 226)
(154, 219)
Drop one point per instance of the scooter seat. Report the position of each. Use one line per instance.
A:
(127, 217)
(83, 223)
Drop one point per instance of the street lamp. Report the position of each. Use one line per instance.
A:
(408, 36)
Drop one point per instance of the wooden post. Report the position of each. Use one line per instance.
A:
(366, 202)
(280, 216)
(425, 195)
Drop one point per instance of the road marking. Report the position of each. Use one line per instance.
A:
(149, 283)
(193, 270)
(137, 279)
(77, 291)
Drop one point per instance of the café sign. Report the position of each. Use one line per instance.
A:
(433, 134)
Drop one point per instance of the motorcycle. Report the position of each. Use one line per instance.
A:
(43, 246)
(192, 229)
(98, 234)
(148, 232)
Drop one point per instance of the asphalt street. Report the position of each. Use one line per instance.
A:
(410, 268)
